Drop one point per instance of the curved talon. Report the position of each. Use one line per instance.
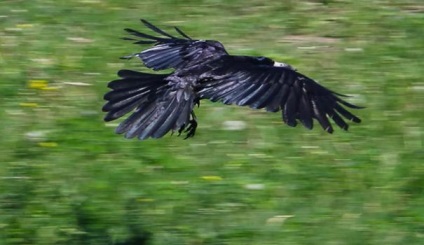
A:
(191, 129)
(181, 130)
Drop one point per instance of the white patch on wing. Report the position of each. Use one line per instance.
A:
(279, 64)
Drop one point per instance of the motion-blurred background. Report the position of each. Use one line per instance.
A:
(66, 178)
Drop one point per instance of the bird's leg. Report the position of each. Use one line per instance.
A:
(192, 126)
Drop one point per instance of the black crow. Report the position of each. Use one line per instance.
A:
(204, 70)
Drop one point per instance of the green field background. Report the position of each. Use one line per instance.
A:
(245, 178)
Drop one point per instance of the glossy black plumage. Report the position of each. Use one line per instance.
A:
(204, 70)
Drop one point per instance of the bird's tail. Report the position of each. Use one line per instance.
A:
(158, 108)
(130, 91)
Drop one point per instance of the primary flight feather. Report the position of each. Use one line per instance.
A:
(204, 70)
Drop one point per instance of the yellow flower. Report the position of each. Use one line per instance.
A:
(22, 26)
(47, 144)
(212, 178)
(37, 84)
(28, 104)
(145, 199)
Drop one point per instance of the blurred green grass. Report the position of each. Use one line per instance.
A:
(66, 178)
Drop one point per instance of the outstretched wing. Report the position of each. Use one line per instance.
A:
(244, 81)
(156, 107)
(174, 52)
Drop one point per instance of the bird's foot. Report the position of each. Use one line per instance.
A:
(190, 130)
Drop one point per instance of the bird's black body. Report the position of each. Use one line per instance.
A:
(204, 70)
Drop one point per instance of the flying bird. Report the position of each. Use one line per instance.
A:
(203, 69)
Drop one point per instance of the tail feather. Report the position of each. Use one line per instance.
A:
(170, 111)
(132, 90)
(158, 107)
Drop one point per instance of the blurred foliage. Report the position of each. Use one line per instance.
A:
(66, 178)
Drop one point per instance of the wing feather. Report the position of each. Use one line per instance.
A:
(290, 108)
(305, 111)
(173, 52)
(255, 95)
(155, 29)
(262, 101)
(321, 116)
(245, 81)
(279, 99)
